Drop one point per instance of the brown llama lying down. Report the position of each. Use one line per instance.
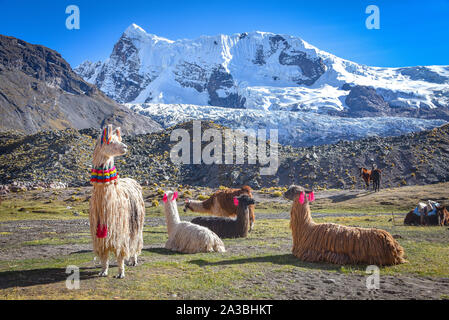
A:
(229, 227)
(221, 203)
(329, 242)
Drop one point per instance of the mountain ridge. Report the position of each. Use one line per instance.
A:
(262, 70)
(40, 91)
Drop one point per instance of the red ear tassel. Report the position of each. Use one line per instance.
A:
(302, 198)
(102, 231)
(236, 201)
(175, 196)
(311, 196)
(165, 198)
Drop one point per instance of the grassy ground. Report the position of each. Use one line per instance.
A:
(40, 236)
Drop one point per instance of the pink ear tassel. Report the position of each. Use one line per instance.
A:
(175, 196)
(236, 202)
(165, 198)
(302, 198)
(311, 197)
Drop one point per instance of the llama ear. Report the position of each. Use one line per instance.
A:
(175, 196)
(165, 198)
(301, 198)
(118, 132)
(236, 201)
(311, 196)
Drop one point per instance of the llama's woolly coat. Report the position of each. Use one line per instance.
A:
(187, 237)
(328, 242)
(229, 227)
(120, 206)
(221, 203)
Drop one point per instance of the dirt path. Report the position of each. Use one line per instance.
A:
(326, 285)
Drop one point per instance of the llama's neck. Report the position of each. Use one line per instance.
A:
(300, 215)
(171, 215)
(197, 206)
(103, 172)
(100, 161)
(243, 217)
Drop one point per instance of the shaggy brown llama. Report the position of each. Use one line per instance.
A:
(329, 242)
(117, 210)
(230, 227)
(221, 203)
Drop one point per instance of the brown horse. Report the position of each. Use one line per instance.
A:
(366, 175)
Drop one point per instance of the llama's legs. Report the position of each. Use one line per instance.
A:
(104, 265)
(121, 267)
(133, 261)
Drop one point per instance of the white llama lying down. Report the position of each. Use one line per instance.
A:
(187, 237)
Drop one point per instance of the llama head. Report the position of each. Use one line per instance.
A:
(298, 193)
(244, 200)
(109, 143)
(170, 196)
(247, 190)
(186, 204)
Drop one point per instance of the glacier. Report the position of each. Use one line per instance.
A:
(297, 129)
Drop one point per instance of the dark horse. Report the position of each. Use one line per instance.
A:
(376, 174)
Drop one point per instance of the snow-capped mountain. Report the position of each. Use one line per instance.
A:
(294, 128)
(261, 70)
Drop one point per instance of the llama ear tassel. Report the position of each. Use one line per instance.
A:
(236, 201)
(175, 196)
(165, 198)
(302, 198)
(311, 196)
(106, 135)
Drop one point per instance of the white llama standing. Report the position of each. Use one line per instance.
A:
(117, 210)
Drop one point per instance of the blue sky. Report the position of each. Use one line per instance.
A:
(411, 32)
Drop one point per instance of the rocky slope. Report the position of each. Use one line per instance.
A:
(262, 70)
(40, 91)
(65, 156)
